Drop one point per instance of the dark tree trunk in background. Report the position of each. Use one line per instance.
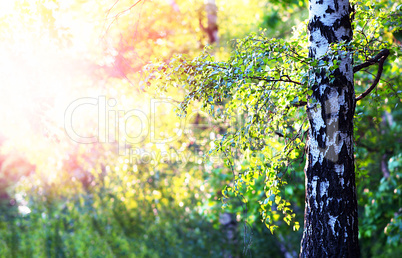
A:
(229, 230)
(330, 223)
(212, 17)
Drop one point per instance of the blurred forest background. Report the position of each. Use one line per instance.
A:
(159, 196)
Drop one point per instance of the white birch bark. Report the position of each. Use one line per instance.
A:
(330, 226)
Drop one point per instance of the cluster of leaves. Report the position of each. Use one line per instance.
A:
(257, 94)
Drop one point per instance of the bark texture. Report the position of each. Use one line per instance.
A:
(330, 223)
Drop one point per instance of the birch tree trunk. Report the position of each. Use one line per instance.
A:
(330, 222)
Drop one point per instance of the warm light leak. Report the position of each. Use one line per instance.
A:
(6, 7)
(48, 52)
(39, 77)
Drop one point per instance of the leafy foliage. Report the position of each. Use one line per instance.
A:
(257, 93)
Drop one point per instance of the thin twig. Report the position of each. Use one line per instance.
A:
(120, 13)
(275, 80)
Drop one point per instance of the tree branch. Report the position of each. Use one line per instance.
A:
(300, 104)
(267, 79)
(120, 13)
(380, 59)
(374, 60)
